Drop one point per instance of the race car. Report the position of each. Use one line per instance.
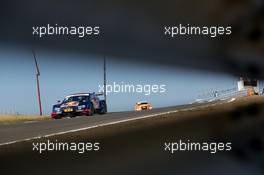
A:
(143, 105)
(80, 104)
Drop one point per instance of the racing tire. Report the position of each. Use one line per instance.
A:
(103, 110)
(91, 113)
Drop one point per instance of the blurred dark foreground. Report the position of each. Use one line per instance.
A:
(133, 30)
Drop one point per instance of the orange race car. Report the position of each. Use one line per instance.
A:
(143, 105)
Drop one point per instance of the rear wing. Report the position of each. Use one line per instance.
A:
(99, 94)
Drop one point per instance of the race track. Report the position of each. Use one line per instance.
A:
(14, 133)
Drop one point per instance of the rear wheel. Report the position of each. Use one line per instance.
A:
(103, 110)
(91, 113)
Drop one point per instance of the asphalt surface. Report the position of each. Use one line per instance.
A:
(12, 133)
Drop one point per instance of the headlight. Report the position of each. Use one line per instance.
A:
(57, 109)
(81, 107)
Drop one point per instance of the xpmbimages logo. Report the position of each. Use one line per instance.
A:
(146, 89)
(211, 147)
(79, 147)
(50, 30)
(212, 31)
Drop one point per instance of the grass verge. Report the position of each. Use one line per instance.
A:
(7, 119)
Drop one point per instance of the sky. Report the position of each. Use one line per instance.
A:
(65, 73)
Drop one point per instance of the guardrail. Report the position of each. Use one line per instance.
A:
(223, 96)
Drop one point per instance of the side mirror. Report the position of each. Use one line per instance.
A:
(58, 101)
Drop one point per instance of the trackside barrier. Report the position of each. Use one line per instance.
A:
(223, 96)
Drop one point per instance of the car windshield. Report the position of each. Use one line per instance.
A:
(143, 103)
(75, 98)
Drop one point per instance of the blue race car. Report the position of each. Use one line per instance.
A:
(78, 105)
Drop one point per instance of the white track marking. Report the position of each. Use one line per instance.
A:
(90, 127)
(231, 100)
(30, 122)
(108, 124)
